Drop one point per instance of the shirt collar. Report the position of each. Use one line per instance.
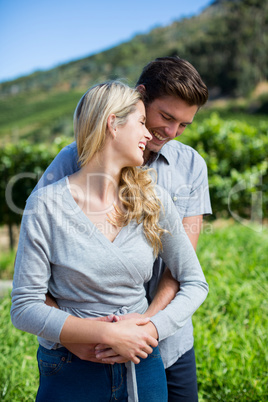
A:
(163, 153)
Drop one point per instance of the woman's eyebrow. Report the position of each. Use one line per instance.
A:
(143, 117)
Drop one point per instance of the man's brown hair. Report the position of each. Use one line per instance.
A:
(173, 76)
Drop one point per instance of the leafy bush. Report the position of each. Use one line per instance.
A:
(7, 264)
(236, 154)
(21, 165)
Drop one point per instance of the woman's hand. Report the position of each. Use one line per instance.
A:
(129, 339)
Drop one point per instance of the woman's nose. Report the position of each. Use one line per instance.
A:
(148, 135)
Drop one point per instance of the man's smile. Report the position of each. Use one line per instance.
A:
(158, 136)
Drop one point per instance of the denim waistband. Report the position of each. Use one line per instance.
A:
(99, 309)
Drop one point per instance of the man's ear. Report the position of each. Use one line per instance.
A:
(111, 127)
(141, 89)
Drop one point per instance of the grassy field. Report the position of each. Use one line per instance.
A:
(230, 327)
(37, 117)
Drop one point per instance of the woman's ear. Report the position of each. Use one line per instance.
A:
(111, 124)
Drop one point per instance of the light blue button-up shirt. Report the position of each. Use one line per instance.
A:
(183, 173)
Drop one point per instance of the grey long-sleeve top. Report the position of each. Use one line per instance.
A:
(61, 251)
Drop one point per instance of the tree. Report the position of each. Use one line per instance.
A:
(21, 165)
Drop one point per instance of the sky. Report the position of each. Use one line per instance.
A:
(41, 34)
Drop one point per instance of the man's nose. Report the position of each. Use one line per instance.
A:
(172, 130)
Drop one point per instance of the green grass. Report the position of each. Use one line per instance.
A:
(7, 259)
(230, 328)
(18, 367)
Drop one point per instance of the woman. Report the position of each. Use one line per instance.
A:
(90, 240)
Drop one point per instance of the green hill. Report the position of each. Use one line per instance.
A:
(227, 43)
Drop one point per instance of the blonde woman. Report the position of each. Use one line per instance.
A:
(90, 239)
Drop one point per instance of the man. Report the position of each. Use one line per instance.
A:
(173, 92)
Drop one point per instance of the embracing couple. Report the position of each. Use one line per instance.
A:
(106, 273)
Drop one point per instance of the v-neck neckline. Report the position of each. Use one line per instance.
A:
(76, 207)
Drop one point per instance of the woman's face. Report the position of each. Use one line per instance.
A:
(132, 137)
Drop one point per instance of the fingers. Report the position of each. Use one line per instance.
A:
(143, 354)
(95, 360)
(143, 351)
(83, 351)
(143, 321)
(130, 316)
(115, 359)
(120, 359)
(109, 355)
(148, 350)
(102, 354)
(135, 360)
(153, 342)
(108, 318)
(102, 346)
(129, 340)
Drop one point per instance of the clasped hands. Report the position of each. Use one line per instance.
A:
(139, 336)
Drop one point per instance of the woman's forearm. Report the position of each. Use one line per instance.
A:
(129, 339)
(80, 330)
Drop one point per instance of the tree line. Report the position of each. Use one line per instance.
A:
(227, 43)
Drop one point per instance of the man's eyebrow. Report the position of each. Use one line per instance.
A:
(173, 118)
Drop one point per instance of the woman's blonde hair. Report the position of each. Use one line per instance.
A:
(136, 187)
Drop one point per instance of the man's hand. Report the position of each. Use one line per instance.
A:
(131, 315)
(50, 301)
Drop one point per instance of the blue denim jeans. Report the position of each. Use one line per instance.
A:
(65, 377)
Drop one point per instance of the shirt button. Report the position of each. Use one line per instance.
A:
(175, 198)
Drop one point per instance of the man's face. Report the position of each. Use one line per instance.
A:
(166, 118)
